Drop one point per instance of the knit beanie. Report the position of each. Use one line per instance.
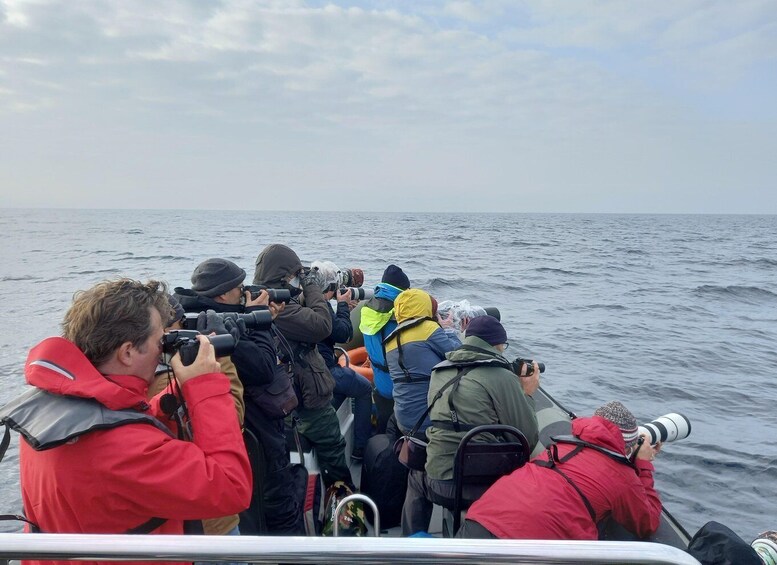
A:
(488, 329)
(765, 545)
(619, 415)
(213, 277)
(395, 276)
(177, 310)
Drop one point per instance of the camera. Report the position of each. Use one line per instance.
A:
(667, 428)
(359, 293)
(519, 363)
(185, 342)
(257, 320)
(277, 295)
(351, 277)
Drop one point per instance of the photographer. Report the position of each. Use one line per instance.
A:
(489, 393)
(303, 324)
(217, 285)
(348, 383)
(602, 470)
(129, 473)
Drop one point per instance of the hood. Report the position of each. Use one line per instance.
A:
(274, 263)
(412, 303)
(387, 291)
(57, 366)
(462, 355)
(599, 431)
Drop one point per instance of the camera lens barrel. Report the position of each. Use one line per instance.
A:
(667, 428)
(257, 320)
(358, 293)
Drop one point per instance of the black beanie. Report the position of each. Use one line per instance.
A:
(213, 277)
(395, 276)
(488, 329)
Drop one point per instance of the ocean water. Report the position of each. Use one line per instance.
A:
(667, 313)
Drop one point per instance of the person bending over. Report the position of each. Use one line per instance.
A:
(582, 479)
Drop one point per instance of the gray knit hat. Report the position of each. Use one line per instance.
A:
(619, 415)
(765, 545)
(213, 277)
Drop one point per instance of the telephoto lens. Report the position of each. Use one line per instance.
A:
(185, 342)
(667, 428)
(359, 293)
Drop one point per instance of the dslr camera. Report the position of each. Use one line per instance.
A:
(519, 363)
(185, 342)
(257, 320)
(277, 295)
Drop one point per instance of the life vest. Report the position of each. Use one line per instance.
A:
(396, 333)
(47, 420)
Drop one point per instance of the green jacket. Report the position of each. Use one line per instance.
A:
(485, 395)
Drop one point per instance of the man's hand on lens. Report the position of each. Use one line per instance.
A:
(236, 328)
(203, 364)
(276, 308)
(263, 299)
(531, 383)
(209, 322)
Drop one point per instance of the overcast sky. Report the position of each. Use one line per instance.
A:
(502, 105)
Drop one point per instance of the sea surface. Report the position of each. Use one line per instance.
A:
(667, 313)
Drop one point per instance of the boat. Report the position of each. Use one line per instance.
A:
(616, 545)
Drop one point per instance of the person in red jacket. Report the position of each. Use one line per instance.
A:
(96, 456)
(592, 476)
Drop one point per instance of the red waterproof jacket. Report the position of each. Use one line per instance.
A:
(112, 480)
(535, 502)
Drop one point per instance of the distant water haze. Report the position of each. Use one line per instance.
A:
(667, 313)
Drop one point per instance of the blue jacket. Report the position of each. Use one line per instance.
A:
(377, 321)
(412, 350)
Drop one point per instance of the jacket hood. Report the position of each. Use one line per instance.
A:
(275, 262)
(462, 355)
(412, 303)
(57, 366)
(599, 431)
(387, 291)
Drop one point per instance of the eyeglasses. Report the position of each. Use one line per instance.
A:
(507, 344)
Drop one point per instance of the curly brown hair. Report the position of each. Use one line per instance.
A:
(112, 313)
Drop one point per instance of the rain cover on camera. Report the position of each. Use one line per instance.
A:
(461, 310)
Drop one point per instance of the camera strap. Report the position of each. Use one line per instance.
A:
(552, 464)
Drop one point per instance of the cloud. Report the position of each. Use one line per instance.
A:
(389, 93)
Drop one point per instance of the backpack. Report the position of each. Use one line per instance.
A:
(384, 480)
(351, 521)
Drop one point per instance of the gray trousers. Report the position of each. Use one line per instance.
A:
(421, 496)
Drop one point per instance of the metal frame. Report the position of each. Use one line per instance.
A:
(336, 551)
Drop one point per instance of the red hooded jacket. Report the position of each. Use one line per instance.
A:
(112, 480)
(535, 502)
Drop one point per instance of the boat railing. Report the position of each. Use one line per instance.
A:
(267, 549)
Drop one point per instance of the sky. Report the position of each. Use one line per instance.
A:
(635, 106)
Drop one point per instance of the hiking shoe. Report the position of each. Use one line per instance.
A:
(357, 454)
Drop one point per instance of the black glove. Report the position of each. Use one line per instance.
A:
(236, 327)
(210, 322)
(316, 277)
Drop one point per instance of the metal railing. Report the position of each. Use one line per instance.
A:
(259, 549)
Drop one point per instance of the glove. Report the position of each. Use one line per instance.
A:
(210, 322)
(236, 327)
(316, 277)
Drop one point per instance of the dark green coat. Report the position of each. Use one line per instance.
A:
(485, 395)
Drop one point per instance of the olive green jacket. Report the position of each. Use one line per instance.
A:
(485, 395)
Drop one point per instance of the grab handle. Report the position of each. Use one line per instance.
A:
(351, 498)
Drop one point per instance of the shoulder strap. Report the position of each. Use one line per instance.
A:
(574, 440)
(147, 527)
(6, 441)
(461, 372)
(552, 464)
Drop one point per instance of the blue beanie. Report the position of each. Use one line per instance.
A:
(395, 276)
(488, 329)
